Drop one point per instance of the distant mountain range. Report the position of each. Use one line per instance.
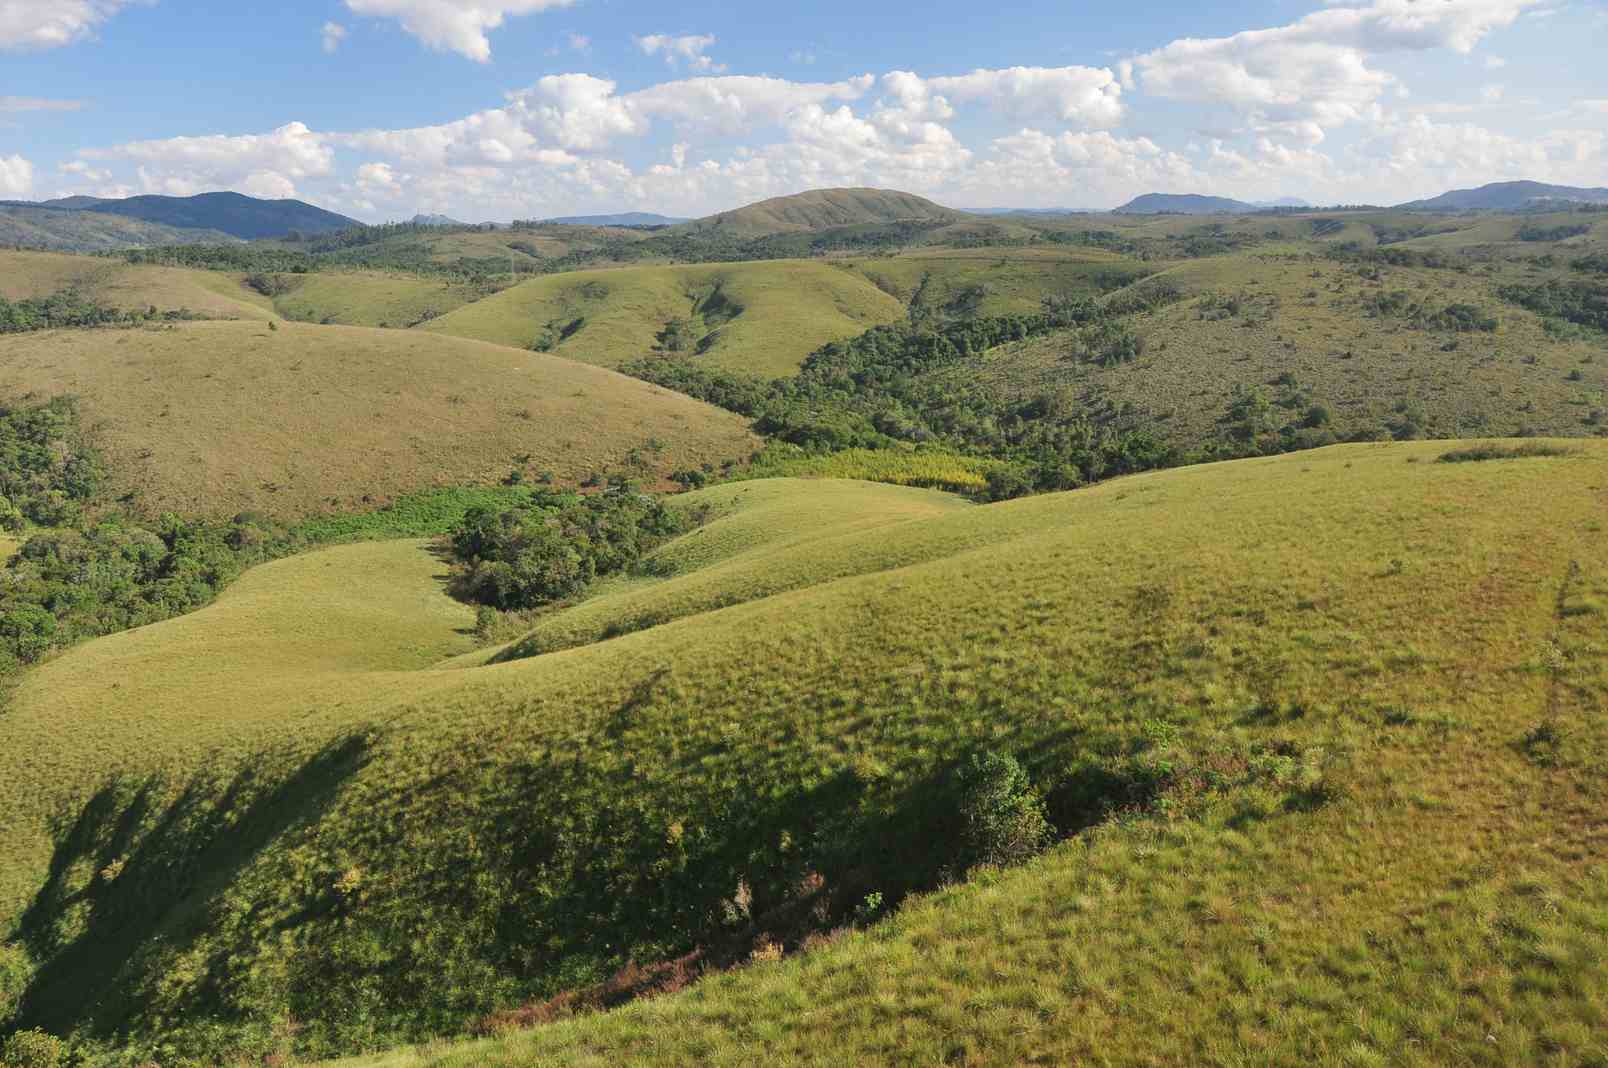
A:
(624, 218)
(231, 213)
(1508, 196)
(92, 224)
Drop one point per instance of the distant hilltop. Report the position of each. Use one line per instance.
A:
(1183, 204)
(624, 218)
(1508, 196)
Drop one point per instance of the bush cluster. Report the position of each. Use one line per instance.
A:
(551, 548)
(886, 388)
(69, 308)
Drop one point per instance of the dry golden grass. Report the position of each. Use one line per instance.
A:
(216, 294)
(215, 418)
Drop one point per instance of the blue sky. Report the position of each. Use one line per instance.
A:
(498, 109)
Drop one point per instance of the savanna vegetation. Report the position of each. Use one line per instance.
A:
(359, 696)
(1244, 739)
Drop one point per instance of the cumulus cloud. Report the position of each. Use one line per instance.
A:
(333, 34)
(689, 49)
(453, 25)
(1298, 80)
(79, 169)
(260, 164)
(1428, 157)
(1087, 96)
(16, 177)
(29, 25)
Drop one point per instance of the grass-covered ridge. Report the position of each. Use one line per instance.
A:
(462, 839)
(294, 420)
(758, 318)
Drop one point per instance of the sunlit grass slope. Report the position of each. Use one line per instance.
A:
(111, 282)
(1007, 281)
(214, 418)
(762, 318)
(1406, 625)
(360, 298)
(1304, 333)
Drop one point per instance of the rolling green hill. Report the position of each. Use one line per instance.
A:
(291, 419)
(1303, 334)
(757, 318)
(1343, 703)
(823, 209)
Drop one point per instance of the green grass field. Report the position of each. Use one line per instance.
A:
(758, 318)
(354, 298)
(1304, 333)
(216, 418)
(1006, 281)
(1409, 651)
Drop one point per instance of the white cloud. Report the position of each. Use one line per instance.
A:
(83, 170)
(1423, 157)
(261, 164)
(333, 34)
(16, 177)
(1087, 96)
(689, 49)
(28, 25)
(1300, 79)
(453, 25)
(14, 104)
(1494, 62)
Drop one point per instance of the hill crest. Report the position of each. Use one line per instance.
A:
(1182, 204)
(1507, 196)
(827, 209)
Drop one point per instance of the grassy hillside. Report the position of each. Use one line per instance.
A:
(823, 209)
(112, 282)
(1363, 682)
(1008, 281)
(1307, 333)
(215, 418)
(31, 226)
(758, 318)
(365, 298)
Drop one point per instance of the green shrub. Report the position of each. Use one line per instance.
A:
(1494, 451)
(551, 548)
(33, 1049)
(1003, 815)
